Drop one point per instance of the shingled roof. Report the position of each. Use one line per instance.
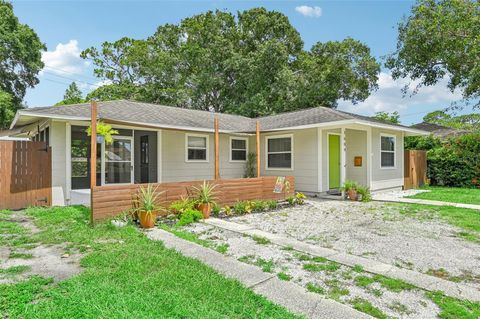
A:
(439, 130)
(147, 114)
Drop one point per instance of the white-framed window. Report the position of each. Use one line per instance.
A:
(388, 144)
(196, 148)
(238, 149)
(279, 152)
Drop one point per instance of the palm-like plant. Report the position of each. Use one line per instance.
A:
(205, 193)
(147, 205)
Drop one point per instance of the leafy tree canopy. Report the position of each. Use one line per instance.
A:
(393, 117)
(441, 39)
(252, 64)
(465, 121)
(72, 95)
(20, 61)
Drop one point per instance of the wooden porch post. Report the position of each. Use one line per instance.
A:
(93, 154)
(258, 148)
(217, 155)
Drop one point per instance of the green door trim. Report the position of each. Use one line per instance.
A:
(333, 161)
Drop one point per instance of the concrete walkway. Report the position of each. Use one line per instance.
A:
(420, 280)
(387, 197)
(287, 294)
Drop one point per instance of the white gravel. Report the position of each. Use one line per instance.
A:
(408, 304)
(377, 231)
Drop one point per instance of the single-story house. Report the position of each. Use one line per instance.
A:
(321, 147)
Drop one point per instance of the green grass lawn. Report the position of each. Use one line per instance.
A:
(450, 194)
(466, 219)
(125, 275)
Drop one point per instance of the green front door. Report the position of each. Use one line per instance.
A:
(334, 161)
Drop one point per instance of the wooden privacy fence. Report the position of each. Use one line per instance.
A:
(415, 172)
(25, 174)
(108, 201)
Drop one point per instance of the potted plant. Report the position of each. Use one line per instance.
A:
(147, 208)
(350, 188)
(205, 198)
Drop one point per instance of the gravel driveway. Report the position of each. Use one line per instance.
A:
(377, 231)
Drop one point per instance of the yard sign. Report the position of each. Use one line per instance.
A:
(278, 188)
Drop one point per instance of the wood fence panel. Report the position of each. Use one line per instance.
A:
(25, 174)
(111, 200)
(415, 168)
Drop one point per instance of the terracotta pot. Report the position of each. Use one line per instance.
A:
(147, 220)
(352, 194)
(205, 208)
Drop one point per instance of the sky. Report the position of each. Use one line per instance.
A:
(68, 27)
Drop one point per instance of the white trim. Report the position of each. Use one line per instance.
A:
(246, 149)
(207, 148)
(343, 157)
(394, 151)
(132, 160)
(369, 158)
(319, 161)
(159, 157)
(68, 160)
(271, 137)
(386, 184)
(328, 158)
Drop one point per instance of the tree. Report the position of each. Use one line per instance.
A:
(20, 60)
(7, 109)
(250, 64)
(72, 95)
(393, 117)
(440, 39)
(466, 121)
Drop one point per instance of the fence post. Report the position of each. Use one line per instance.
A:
(258, 148)
(93, 155)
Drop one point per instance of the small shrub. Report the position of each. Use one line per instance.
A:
(259, 205)
(291, 200)
(189, 216)
(227, 210)
(181, 205)
(215, 210)
(300, 198)
(242, 207)
(272, 204)
(364, 192)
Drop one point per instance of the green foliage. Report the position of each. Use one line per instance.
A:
(349, 185)
(215, 209)
(456, 162)
(300, 198)
(251, 63)
(451, 308)
(284, 276)
(363, 281)
(366, 307)
(72, 95)
(291, 200)
(393, 117)
(315, 288)
(104, 130)
(328, 267)
(358, 268)
(20, 56)
(261, 240)
(440, 40)
(465, 121)
(242, 207)
(20, 255)
(205, 193)
(422, 142)
(364, 192)
(148, 199)
(250, 166)
(181, 205)
(15, 270)
(189, 216)
(122, 260)
(272, 204)
(450, 194)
